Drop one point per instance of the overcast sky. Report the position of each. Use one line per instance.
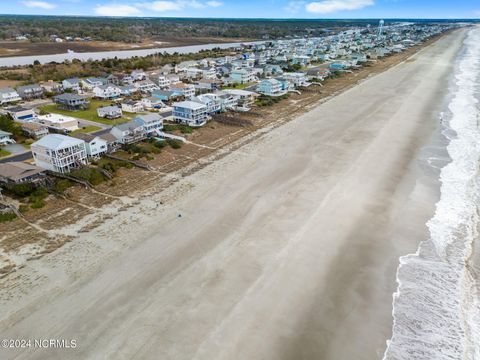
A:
(250, 8)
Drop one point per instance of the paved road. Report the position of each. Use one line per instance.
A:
(19, 157)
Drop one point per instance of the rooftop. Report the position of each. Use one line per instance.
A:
(57, 142)
(18, 170)
(189, 105)
(57, 118)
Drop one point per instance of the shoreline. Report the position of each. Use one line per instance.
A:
(449, 251)
(290, 233)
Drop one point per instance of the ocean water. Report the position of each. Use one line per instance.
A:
(436, 308)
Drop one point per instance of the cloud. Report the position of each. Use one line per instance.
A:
(116, 10)
(162, 6)
(329, 6)
(294, 6)
(39, 4)
(214, 3)
(169, 5)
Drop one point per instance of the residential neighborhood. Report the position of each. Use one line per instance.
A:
(68, 124)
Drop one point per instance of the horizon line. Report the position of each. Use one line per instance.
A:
(240, 18)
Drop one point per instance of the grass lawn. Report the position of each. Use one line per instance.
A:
(238, 86)
(89, 114)
(4, 153)
(87, 129)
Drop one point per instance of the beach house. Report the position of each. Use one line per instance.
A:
(152, 102)
(187, 90)
(127, 90)
(213, 105)
(109, 112)
(71, 84)
(59, 153)
(271, 87)
(296, 78)
(6, 138)
(146, 86)
(72, 102)
(14, 172)
(138, 75)
(151, 123)
(8, 95)
(167, 95)
(91, 82)
(58, 122)
(51, 87)
(242, 76)
(107, 92)
(208, 84)
(163, 82)
(34, 130)
(128, 133)
(22, 114)
(132, 106)
(244, 98)
(190, 113)
(94, 145)
(30, 92)
(225, 100)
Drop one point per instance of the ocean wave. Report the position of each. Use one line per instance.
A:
(436, 308)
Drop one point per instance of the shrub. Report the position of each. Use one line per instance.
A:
(174, 144)
(23, 208)
(184, 129)
(62, 184)
(38, 195)
(21, 190)
(7, 124)
(160, 144)
(37, 204)
(92, 175)
(7, 217)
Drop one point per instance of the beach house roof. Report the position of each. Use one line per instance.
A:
(189, 105)
(57, 142)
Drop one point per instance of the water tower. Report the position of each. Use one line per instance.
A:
(380, 28)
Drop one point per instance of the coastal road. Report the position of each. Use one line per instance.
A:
(20, 157)
(287, 248)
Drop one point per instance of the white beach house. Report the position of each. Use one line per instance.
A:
(8, 95)
(59, 153)
(190, 113)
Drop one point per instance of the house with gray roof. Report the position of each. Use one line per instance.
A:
(152, 123)
(95, 145)
(59, 153)
(71, 84)
(109, 112)
(72, 102)
(12, 173)
(8, 95)
(128, 133)
(30, 92)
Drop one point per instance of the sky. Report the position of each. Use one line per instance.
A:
(249, 8)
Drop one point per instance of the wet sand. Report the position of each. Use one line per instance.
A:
(285, 249)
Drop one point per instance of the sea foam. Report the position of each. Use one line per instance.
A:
(436, 308)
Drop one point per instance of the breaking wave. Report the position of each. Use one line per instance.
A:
(436, 308)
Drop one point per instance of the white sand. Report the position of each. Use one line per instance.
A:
(286, 248)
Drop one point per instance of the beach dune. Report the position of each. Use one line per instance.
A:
(285, 249)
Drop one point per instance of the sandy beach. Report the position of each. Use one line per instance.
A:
(286, 248)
